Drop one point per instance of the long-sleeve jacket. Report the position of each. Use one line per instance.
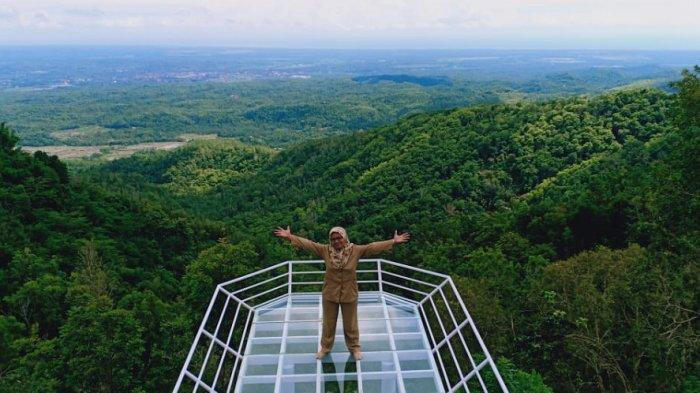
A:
(340, 285)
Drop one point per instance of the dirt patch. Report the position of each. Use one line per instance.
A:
(111, 152)
(105, 152)
(126, 151)
(189, 137)
(66, 151)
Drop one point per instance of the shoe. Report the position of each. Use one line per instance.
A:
(321, 354)
(357, 354)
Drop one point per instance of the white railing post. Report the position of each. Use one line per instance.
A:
(479, 339)
(196, 340)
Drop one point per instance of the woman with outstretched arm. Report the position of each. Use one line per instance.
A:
(340, 281)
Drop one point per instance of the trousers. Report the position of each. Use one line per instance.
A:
(350, 325)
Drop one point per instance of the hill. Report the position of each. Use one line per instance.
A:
(529, 203)
(570, 228)
(90, 294)
(198, 167)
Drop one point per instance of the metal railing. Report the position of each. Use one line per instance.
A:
(459, 353)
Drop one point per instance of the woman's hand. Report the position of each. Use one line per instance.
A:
(283, 233)
(402, 238)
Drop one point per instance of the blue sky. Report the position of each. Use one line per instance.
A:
(508, 24)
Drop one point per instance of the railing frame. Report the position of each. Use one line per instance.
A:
(433, 291)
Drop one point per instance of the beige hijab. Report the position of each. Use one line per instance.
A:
(339, 258)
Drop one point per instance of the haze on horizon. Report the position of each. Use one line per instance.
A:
(381, 24)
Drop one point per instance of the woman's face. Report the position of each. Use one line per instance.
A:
(337, 240)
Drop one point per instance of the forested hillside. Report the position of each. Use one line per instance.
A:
(275, 112)
(570, 226)
(90, 281)
(197, 168)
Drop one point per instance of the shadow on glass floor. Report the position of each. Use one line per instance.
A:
(339, 374)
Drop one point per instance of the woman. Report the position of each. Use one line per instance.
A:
(340, 281)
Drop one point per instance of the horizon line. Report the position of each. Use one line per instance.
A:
(277, 47)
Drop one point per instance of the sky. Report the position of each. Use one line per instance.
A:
(381, 24)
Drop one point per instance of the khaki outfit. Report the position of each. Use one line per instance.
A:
(340, 289)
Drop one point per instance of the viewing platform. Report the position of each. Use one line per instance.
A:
(261, 331)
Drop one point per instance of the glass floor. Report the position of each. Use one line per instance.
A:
(280, 354)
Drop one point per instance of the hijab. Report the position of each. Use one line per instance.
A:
(340, 257)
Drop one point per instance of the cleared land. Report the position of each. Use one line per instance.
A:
(112, 152)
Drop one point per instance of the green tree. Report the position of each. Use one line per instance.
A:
(102, 349)
(689, 97)
(215, 265)
(8, 139)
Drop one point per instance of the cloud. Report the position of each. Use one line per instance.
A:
(7, 12)
(84, 12)
(40, 20)
(461, 21)
(241, 21)
(122, 22)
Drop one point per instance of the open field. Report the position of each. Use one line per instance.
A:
(106, 152)
(112, 152)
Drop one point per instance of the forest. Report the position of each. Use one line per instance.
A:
(569, 225)
(277, 112)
